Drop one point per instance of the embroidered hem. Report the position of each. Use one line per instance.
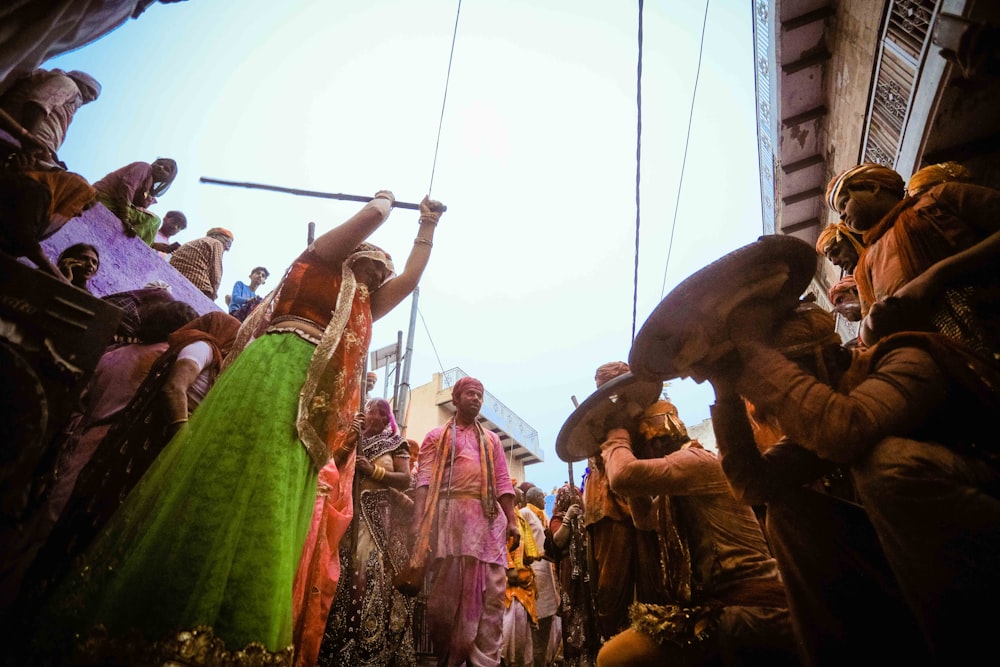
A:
(672, 624)
(195, 647)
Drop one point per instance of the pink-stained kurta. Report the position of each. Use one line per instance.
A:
(468, 571)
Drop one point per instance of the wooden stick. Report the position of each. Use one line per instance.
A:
(305, 193)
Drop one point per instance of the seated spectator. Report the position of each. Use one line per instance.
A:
(841, 246)
(845, 299)
(244, 297)
(38, 195)
(24, 218)
(134, 436)
(78, 263)
(173, 223)
(38, 110)
(200, 261)
(924, 179)
(929, 260)
(128, 192)
(34, 32)
(119, 374)
(136, 306)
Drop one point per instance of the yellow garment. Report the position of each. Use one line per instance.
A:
(524, 590)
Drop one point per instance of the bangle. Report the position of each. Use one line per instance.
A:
(179, 421)
(426, 218)
(425, 242)
(378, 473)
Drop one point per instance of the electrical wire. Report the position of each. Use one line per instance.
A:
(444, 101)
(638, 166)
(437, 144)
(687, 142)
(428, 332)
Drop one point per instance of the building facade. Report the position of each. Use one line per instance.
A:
(903, 83)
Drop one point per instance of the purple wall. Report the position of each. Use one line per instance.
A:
(126, 262)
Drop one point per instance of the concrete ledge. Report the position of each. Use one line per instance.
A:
(126, 262)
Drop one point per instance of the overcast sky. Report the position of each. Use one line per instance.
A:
(530, 284)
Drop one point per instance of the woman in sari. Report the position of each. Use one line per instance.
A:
(371, 622)
(198, 563)
(567, 545)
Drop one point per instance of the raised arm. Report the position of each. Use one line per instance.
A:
(335, 245)
(394, 291)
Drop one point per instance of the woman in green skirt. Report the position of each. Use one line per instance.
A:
(197, 565)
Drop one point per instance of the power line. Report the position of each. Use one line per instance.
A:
(638, 166)
(428, 331)
(687, 142)
(444, 101)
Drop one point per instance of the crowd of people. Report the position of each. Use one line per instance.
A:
(228, 493)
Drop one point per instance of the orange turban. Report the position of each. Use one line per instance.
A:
(834, 233)
(609, 371)
(935, 174)
(864, 173)
(220, 231)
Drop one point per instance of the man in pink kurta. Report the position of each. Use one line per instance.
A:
(475, 518)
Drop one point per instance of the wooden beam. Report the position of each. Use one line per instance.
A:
(796, 197)
(809, 17)
(811, 114)
(804, 163)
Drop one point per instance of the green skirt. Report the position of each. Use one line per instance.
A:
(144, 223)
(213, 533)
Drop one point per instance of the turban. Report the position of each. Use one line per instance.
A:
(220, 231)
(863, 173)
(609, 371)
(84, 79)
(805, 332)
(834, 233)
(463, 384)
(936, 174)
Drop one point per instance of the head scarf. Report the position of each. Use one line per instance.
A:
(609, 371)
(82, 78)
(220, 231)
(835, 233)
(463, 384)
(863, 173)
(388, 440)
(323, 366)
(806, 333)
(216, 328)
(935, 174)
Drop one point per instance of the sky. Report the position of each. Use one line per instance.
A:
(531, 279)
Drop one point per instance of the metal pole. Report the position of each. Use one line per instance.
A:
(404, 393)
(304, 193)
(395, 386)
(569, 464)
(311, 235)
